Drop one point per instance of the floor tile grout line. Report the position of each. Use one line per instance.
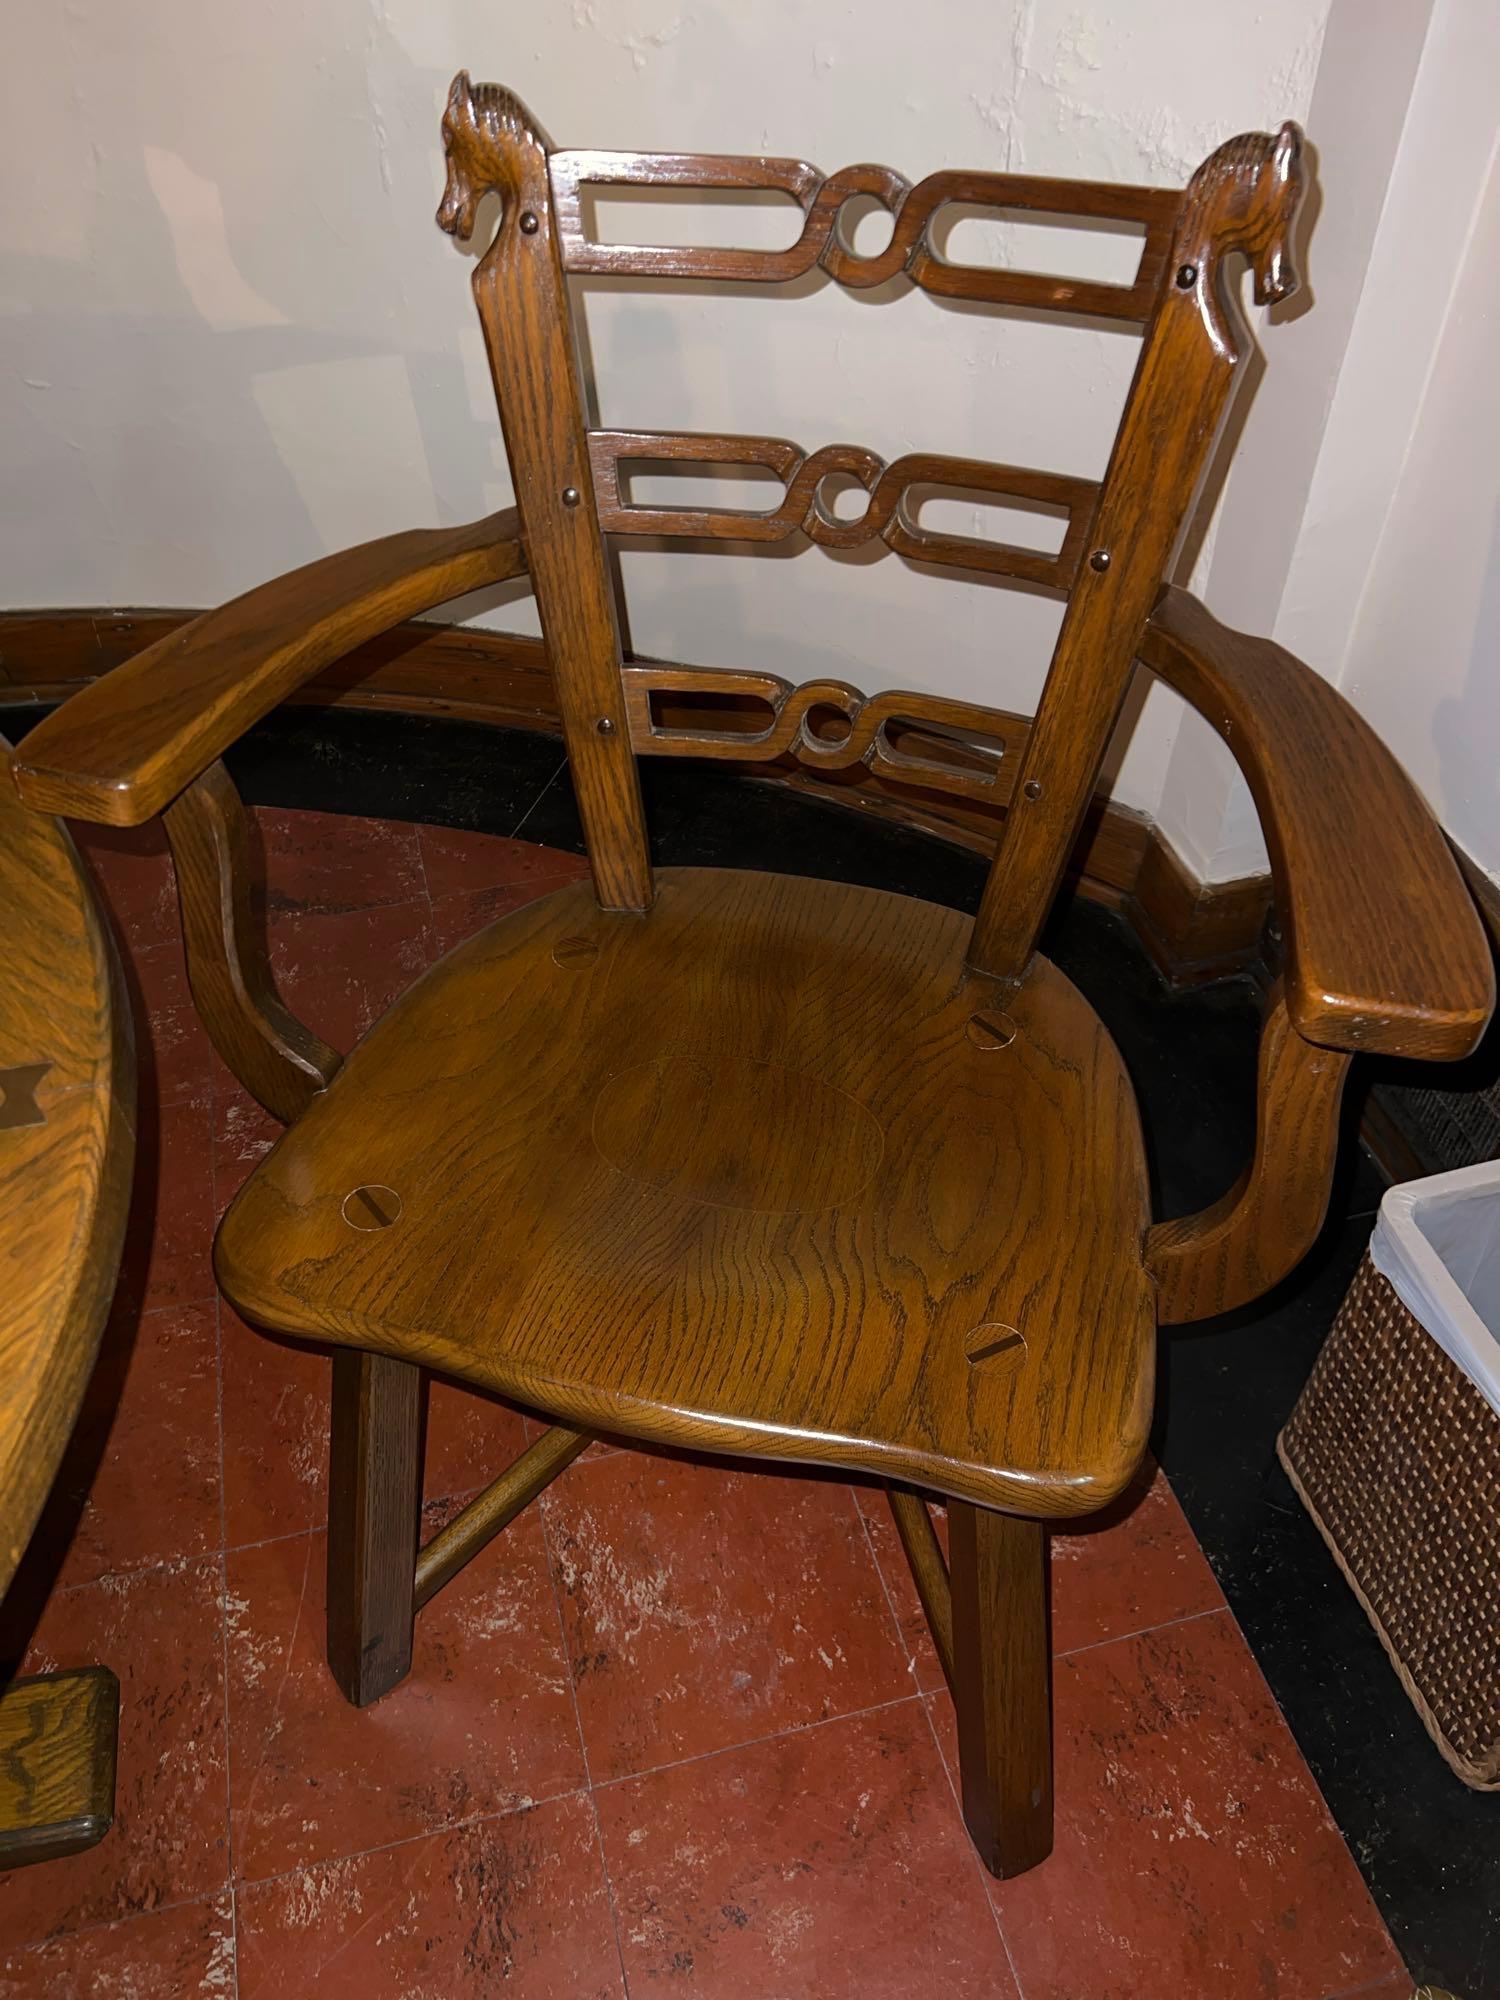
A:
(179, 1306)
(1371, 1985)
(609, 1889)
(170, 1565)
(234, 1934)
(885, 1590)
(517, 1811)
(119, 1578)
(56, 1936)
(422, 870)
(982, 1872)
(1067, 1653)
(231, 1886)
(210, 1896)
(583, 1746)
(757, 1742)
(175, 1565)
(561, 767)
(1144, 1631)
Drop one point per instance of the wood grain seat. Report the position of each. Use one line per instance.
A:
(753, 1172)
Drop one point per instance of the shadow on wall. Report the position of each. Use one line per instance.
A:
(1464, 727)
(259, 409)
(186, 390)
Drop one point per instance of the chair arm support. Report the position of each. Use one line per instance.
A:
(124, 747)
(1384, 948)
(1242, 1244)
(277, 1058)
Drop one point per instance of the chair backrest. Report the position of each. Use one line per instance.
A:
(1121, 530)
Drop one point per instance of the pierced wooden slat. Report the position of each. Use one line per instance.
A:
(803, 507)
(571, 171)
(985, 774)
(1244, 197)
(823, 241)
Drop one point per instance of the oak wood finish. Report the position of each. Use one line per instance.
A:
(889, 515)
(762, 1165)
(67, 1140)
(421, 667)
(929, 1570)
(910, 252)
(792, 715)
(761, 1191)
(1236, 1249)
(1245, 198)
(279, 1061)
(1384, 950)
(57, 1764)
(1193, 930)
(123, 748)
(494, 145)
(1327, 789)
(374, 1500)
(1002, 1668)
(495, 1508)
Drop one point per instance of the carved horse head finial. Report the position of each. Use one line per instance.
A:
(1244, 197)
(492, 144)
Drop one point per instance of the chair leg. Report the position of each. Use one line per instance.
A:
(374, 1500)
(1002, 1684)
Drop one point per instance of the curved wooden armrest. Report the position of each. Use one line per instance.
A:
(123, 748)
(1384, 948)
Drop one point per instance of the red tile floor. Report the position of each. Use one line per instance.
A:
(680, 1730)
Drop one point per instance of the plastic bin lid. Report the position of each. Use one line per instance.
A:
(1437, 1242)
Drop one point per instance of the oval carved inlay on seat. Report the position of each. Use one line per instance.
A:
(736, 1133)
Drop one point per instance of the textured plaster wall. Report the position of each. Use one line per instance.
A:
(1360, 524)
(233, 338)
(1424, 657)
(1396, 589)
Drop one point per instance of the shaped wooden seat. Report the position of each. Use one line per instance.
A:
(766, 1170)
(772, 1166)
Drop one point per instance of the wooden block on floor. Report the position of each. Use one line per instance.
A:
(57, 1764)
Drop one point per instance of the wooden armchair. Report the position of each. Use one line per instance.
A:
(768, 1166)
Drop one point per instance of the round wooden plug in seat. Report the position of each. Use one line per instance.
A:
(744, 1177)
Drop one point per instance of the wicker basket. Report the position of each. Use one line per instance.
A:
(1396, 1455)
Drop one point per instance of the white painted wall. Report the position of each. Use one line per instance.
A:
(233, 338)
(1410, 505)
(1424, 659)
(1359, 526)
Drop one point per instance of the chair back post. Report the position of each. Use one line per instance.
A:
(493, 144)
(1245, 198)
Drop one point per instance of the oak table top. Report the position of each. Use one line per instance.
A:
(67, 1143)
